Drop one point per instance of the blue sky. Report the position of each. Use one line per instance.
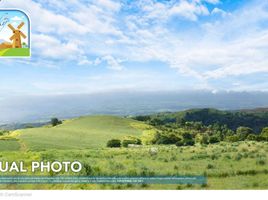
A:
(104, 45)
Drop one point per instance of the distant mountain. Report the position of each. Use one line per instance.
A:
(41, 108)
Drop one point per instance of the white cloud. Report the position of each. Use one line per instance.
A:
(189, 10)
(16, 18)
(108, 4)
(52, 48)
(112, 63)
(217, 11)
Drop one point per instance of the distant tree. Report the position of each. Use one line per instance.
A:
(264, 132)
(55, 121)
(114, 143)
(142, 118)
(242, 132)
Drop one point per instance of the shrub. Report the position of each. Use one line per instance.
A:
(187, 136)
(114, 143)
(214, 139)
(88, 169)
(180, 143)
(233, 138)
(252, 137)
(202, 139)
(131, 140)
(55, 121)
(261, 138)
(166, 138)
(210, 166)
(260, 162)
(189, 142)
(238, 157)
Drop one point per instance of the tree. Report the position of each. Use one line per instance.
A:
(264, 132)
(243, 132)
(55, 121)
(113, 143)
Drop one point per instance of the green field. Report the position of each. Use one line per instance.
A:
(9, 145)
(15, 52)
(238, 165)
(81, 133)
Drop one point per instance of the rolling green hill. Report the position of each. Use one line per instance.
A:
(80, 133)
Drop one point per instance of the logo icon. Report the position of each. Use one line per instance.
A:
(14, 34)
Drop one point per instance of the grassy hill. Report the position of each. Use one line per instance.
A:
(80, 133)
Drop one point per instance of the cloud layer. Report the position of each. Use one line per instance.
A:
(204, 40)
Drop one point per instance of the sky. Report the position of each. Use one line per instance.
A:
(88, 46)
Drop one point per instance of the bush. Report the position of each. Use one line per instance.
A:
(238, 157)
(202, 139)
(187, 136)
(132, 140)
(114, 143)
(55, 121)
(214, 139)
(166, 138)
(261, 138)
(179, 143)
(210, 166)
(189, 142)
(252, 137)
(260, 162)
(233, 138)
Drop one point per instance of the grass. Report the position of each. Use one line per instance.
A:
(15, 52)
(225, 173)
(9, 145)
(85, 132)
